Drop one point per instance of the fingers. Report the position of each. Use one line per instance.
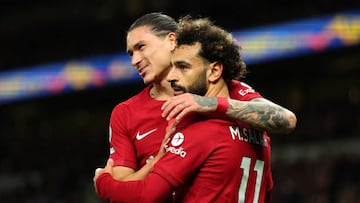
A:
(171, 108)
(110, 162)
(182, 114)
(109, 165)
(106, 169)
(169, 130)
(164, 143)
(98, 172)
(175, 109)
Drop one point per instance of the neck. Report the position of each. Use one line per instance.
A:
(161, 91)
(218, 89)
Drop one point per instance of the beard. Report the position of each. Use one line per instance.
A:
(199, 87)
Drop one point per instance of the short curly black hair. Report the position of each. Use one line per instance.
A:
(216, 45)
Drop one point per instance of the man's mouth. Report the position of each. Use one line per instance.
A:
(178, 92)
(142, 71)
(177, 89)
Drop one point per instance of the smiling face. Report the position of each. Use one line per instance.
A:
(150, 54)
(189, 72)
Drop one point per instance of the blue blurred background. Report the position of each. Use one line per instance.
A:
(63, 68)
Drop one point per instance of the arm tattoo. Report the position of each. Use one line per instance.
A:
(206, 102)
(260, 115)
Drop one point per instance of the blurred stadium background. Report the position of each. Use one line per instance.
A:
(52, 139)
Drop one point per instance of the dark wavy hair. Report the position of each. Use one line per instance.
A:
(217, 45)
(160, 23)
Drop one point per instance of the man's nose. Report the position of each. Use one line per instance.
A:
(171, 75)
(135, 59)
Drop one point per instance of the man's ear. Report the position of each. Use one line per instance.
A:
(172, 39)
(215, 71)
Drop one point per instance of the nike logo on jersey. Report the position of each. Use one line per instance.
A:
(141, 136)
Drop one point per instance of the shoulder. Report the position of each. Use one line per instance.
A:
(242, 91)
(142, 96)
(136, 100)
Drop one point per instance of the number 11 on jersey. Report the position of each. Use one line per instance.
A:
(259, 169)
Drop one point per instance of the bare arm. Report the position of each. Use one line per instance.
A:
(259, 113)
(126, 174)
(263, 114)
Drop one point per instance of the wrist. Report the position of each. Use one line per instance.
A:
(223, 104)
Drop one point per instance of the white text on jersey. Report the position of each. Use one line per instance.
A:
(248, 135)
(178, 151)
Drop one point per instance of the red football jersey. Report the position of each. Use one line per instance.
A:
(243, 92)
(136, 130)
(224, 162)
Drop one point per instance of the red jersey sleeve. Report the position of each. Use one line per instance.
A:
(152, 189)
(122, 149)
(241, 91)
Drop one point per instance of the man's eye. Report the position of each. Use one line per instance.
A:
(182, 67)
